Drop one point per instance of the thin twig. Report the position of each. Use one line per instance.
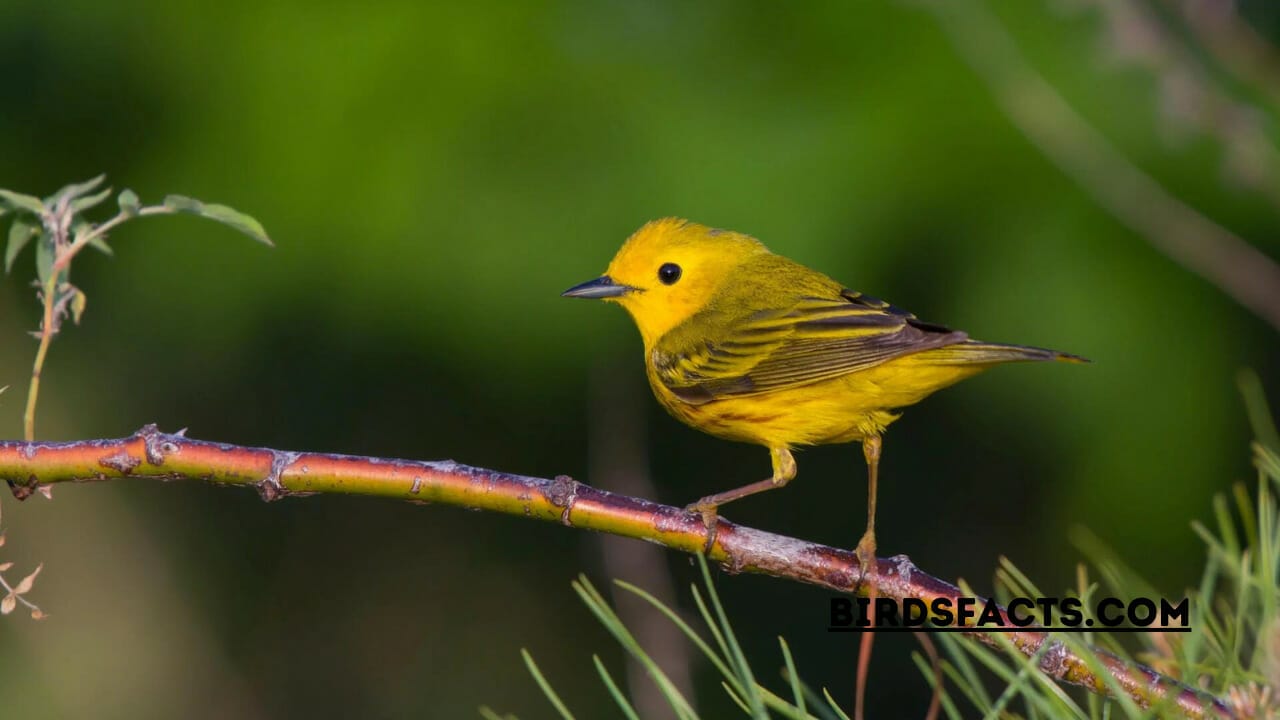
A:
(866, 644)
(100, 231)
(58, 222)
(935, 663)
(4, 584)
(1235, 43)
(49, 298)
(152, 454)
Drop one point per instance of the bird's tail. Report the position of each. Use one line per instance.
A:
(974, 352)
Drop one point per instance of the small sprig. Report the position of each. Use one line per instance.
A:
(15, 594)
(58, 227)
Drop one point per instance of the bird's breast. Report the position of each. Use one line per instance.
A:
(843, 409)
(810, 415)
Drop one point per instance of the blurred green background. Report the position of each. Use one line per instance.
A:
(434, 175)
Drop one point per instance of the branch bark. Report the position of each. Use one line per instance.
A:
(276, 474)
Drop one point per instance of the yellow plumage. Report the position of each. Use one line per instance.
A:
(750, 346)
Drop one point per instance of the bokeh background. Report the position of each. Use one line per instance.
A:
(435, 174)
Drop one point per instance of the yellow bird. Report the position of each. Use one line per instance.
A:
(750, 346)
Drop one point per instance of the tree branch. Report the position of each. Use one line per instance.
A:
(275, 474)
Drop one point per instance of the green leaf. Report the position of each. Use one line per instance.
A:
(81, 204)
(238, 220)
(129, 204)
(1255, 404)
(556, 702)
(182, 203)
(734, 653)
(99, 243)
(794, 679)
(78, 301)
(44, 260)
(619, 697)
(679, 622)
(223, 214)
(20, 233)
(596, 603)
(831, 701)
(926, 669)
(75, 190)
(18, 201)
(101, 246)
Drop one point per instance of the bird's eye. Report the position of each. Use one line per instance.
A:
(669, 273)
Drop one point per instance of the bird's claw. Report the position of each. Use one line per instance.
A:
(706, 511)
(710, 519)
(866, 554)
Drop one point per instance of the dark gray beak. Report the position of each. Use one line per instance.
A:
(601, 287)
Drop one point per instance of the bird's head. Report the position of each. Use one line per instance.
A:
(667, 271)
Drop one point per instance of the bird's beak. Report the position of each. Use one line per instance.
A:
(601, 287)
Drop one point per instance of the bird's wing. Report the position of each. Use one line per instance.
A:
(815, 339)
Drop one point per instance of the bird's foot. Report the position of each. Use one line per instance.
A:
(866, 554)
(706, 509)
(710, 514)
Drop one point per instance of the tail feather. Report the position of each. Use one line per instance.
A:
(974, 352)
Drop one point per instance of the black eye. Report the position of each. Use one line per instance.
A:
(669, 273)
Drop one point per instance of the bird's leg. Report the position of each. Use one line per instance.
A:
(784, 469)
(866, 550)
(866, 553)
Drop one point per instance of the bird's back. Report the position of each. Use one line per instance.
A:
(785, 356)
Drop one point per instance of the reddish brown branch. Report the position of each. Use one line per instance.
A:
(275, 474)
